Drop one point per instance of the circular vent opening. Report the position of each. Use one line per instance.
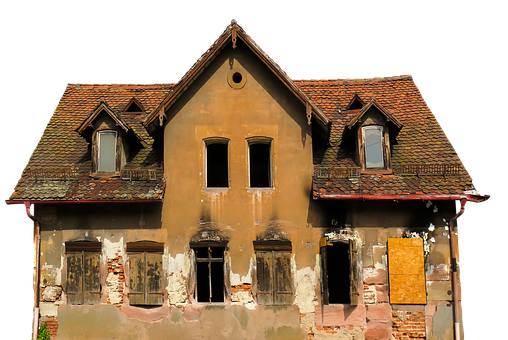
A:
(237, 77)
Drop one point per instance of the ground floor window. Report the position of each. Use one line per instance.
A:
(209, 272)
(83, 286)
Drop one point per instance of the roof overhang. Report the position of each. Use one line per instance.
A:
(80, 201)
(424, 197)
(232, 34)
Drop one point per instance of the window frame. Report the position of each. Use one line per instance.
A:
(88, 288)
(100, 146)
(260, 141)
(214, 141)
(96, 152)
(274, 278)
(145, 252)
(352, 264)
(385, 148)
(209, 259)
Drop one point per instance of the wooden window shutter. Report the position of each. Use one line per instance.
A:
(154, 295)
(353, 272)
(282, 288)
(74, 289)
(274, 285)
(406, 267)
(324, 271)
(91, 278)
(137, 279)
(264, 265)
(145, 279)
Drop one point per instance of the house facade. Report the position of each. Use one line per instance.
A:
(241, 204)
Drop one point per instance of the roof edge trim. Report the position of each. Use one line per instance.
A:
(80, 201)
(424, 197)
(374, 102)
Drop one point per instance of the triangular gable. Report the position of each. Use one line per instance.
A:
(232, 33)
(101, 107)
(134, 106)
(356, 103)
(373, 102)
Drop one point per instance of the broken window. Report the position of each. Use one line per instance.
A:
(339, 272)
(406, 268)
(145, 273)
(260, 164)
(273, 272)
(209, 271)
(106, 153)
(83, 272)
(217, 175)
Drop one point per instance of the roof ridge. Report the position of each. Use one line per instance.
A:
(402, 77)
(119, 85)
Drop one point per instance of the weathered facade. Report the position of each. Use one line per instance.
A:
(238, 203)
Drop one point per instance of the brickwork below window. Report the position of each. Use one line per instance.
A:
(52, 325)
(115, 281)
(408, 325)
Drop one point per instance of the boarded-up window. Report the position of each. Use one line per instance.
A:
(209, 271)
(339, 270)
(145, 273)
(273, 272)
(407, 271)
(83, 286)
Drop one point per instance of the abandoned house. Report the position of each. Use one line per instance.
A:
(241, 204)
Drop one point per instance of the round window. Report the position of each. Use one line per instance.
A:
(237, 78)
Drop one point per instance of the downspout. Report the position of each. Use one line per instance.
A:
(37, 232)
(455, 278)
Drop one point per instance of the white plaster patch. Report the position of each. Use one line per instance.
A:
(48, 309)
(237, 279)
(50, 276)
(112, 288)
(177, 269)
(113, 249)
(369, 294)
(50, 293)
(305, 293)
(243, 298)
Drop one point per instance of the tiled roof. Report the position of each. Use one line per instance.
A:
(59, 169)
(421, 140)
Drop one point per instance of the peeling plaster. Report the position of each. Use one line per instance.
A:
(177, 269)
(305, 293)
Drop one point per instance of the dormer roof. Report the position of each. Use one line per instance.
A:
(373, 103)
(101, 107)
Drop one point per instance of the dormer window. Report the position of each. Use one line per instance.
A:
(375, 129)
(373, 146)
(106, 153)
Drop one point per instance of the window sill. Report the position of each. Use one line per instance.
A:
(215, 191)
(102, 175)
(260, 190)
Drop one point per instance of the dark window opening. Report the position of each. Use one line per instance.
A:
(355, 104)
(337, 263)
(237, 77)
(260, 165)
(217, 175)
(134, 108)
(209, 274)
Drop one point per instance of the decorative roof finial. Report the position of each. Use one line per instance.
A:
(233, 22)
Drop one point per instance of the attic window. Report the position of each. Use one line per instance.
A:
(237, 78)
(107, 146)
(134, 107)
(355, 104)
(373, 146)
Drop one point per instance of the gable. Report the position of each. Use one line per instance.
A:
(233, 35)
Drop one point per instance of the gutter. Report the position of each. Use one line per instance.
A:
(425, 197)
(81, 201)
(454, 265)
(37, 240)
